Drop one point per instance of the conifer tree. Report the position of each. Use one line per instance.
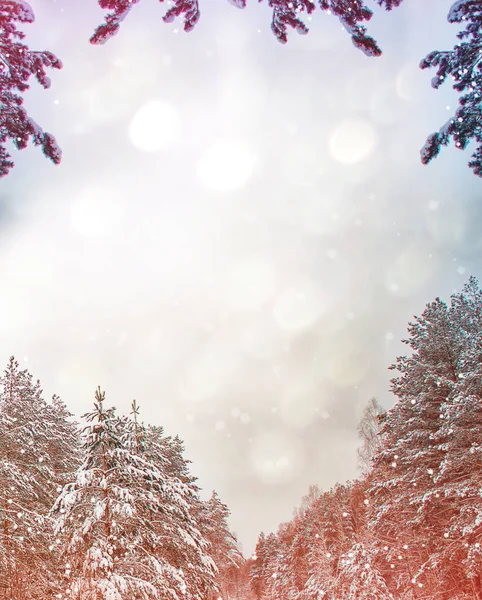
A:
(277, 571)
(360, 577)
(223, 545)
(197, 561)
(321, 581)
(126, 523)
(427, 379)
(257, 572)
(306, 532)
(421, 478)
(457, 480)
(170, 451)
(38, 450)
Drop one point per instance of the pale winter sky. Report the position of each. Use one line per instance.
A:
(238, 233)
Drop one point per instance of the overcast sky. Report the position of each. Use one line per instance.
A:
(237, 235)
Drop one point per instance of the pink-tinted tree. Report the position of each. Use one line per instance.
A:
(424, 486)
(17, 65)
(38, 452)
(286, 14)
(463, 63)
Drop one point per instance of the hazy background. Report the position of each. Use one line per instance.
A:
(237, 235)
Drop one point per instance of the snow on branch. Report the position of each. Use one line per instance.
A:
(463, 65)
(286, 14)
(351, 13)
(17, 64)
(119, 11)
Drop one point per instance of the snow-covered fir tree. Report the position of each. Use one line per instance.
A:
(321, 579)
(359, 577)
(457, 482)
(126, 523)
(223, 546)
(38, 452)
(420, 465)
(257, 572)
(167, 453)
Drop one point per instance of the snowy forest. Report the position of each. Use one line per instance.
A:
(234, 233)
(113, 512)
(411, 526)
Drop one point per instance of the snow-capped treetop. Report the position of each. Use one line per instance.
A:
(39, 448)
(126, 523)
